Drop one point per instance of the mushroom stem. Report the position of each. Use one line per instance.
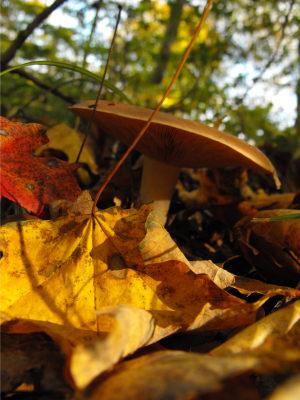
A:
(158, 184)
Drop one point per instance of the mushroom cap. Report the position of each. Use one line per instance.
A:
(175, 141)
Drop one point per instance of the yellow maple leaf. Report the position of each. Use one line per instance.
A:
(54, 272)
(57, 273)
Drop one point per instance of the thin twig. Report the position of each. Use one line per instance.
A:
(88, 44)
(45, 92)
(271, 59)
(86, 53)
(274, 55)
(9, 54)
(185, 56)
(101, 86)
(43, 84)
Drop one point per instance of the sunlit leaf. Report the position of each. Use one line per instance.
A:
(270, 346)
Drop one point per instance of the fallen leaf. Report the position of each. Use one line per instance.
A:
(81, 206)
(182, 375)
(222, 191)
(224, 279)
(219, 186)
(26, 357)
(222, 186)
(55, 269)
(64, 138)
(275, 337)
(68, 141)
(171, 375)
(272, 247)
(17, 217)
(57, 273)
(134, 328)
(289, 390)
(274, 201)
(32, 182)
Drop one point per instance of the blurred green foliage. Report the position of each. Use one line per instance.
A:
(244, 44)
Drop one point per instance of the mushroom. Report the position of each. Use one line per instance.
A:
(169, 144)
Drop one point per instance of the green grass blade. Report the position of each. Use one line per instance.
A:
(71, 67)
(277, 218)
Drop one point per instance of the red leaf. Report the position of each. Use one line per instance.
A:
(32, 182)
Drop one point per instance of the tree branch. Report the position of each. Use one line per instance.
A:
(44, 93)
(297, 122)
(42, 84)
(171, 34)
(274, 55)
(88, 44)
(9, 54)
(271, 59)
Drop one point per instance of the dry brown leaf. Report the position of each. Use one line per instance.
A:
(222, 191)
(123, 185)
(26, 357)
(272, 202)
(272, 247)
(222, 186)
(219, 186)
(81, 206)
(192, 199)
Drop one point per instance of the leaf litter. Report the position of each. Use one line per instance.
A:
(180, 375)
(57, 274)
